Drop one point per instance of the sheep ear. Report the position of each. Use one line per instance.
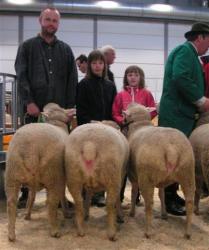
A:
(125, 113)
(150, 109)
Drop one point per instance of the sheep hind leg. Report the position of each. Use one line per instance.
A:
(198, 191)
(87, 203)
(120, 215)
(76, 192)
(161, 194)
(30, 202)
(12, 196)
(53, 201)
(111, 201)
(134, 192)
(147, 193)
(189, 198)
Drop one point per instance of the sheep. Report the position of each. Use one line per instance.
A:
(95, 159)
(159, 157)
(35, 158)
(200, 144)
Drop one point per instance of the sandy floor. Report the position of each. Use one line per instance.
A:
(34, 234)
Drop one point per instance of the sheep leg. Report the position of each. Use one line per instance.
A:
(53, 201)
(120, 215)
(64, 202)
(198, 191)
(147, 193)
(30, 202)
(76, 192)
(87, 203)
(12, 196)
(189, 199)
(134, 192)
(111, 212)
(161, 194)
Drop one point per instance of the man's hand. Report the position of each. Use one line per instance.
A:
(32, 109)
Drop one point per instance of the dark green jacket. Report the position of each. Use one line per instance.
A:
(183, 85)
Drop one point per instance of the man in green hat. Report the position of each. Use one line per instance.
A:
(183, 95)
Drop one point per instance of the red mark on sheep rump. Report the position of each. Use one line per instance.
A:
(170, 167)
(88, 164)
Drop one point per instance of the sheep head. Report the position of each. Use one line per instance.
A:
(136, 116)
(56, 115)
(136, 113)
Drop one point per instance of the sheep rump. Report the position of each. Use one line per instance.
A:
(95, 159)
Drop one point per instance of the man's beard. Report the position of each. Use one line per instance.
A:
(47, 33)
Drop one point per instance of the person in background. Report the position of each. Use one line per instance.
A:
(134, 91)
(81, 62)
(46, 72)
(205, 61)
(109, 53)
(183, 95)
(95, 95)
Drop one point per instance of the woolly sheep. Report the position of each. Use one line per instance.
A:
(35, 158)
(159, 157)
(200, 144)
(95, 159)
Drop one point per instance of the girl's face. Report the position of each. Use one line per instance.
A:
(97, 67)
(133, 79)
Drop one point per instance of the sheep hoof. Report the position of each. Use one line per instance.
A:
(27, 217)
(187, 236)
(11, 237)
(112, 237)
(120, 219)
(55, 234)
(147, 235)
(81, 234)
(164, 216)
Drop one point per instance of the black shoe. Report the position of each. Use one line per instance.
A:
(69, 204)
(179, 200)
(175, 209)
(21, 203)
(100, 202)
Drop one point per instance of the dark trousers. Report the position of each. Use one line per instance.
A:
(170, 192)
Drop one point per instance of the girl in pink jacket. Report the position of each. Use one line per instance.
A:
(134, 91)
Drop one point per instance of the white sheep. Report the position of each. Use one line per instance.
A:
(159, 157)
(200, 144)
(35, 158)
(95, 159)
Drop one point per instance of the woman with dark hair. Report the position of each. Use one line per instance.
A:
(95, 95)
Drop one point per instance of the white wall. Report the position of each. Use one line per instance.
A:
(136, 42)
(140, 43)
(176, 35)
(8, 43)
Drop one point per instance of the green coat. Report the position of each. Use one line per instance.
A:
(183, 85)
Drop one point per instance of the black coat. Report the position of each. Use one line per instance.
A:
(46, 73)
(94, 100)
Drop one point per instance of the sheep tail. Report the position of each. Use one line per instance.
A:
(171, 158)
(89, 154)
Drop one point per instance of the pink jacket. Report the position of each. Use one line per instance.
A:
(129, 95)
